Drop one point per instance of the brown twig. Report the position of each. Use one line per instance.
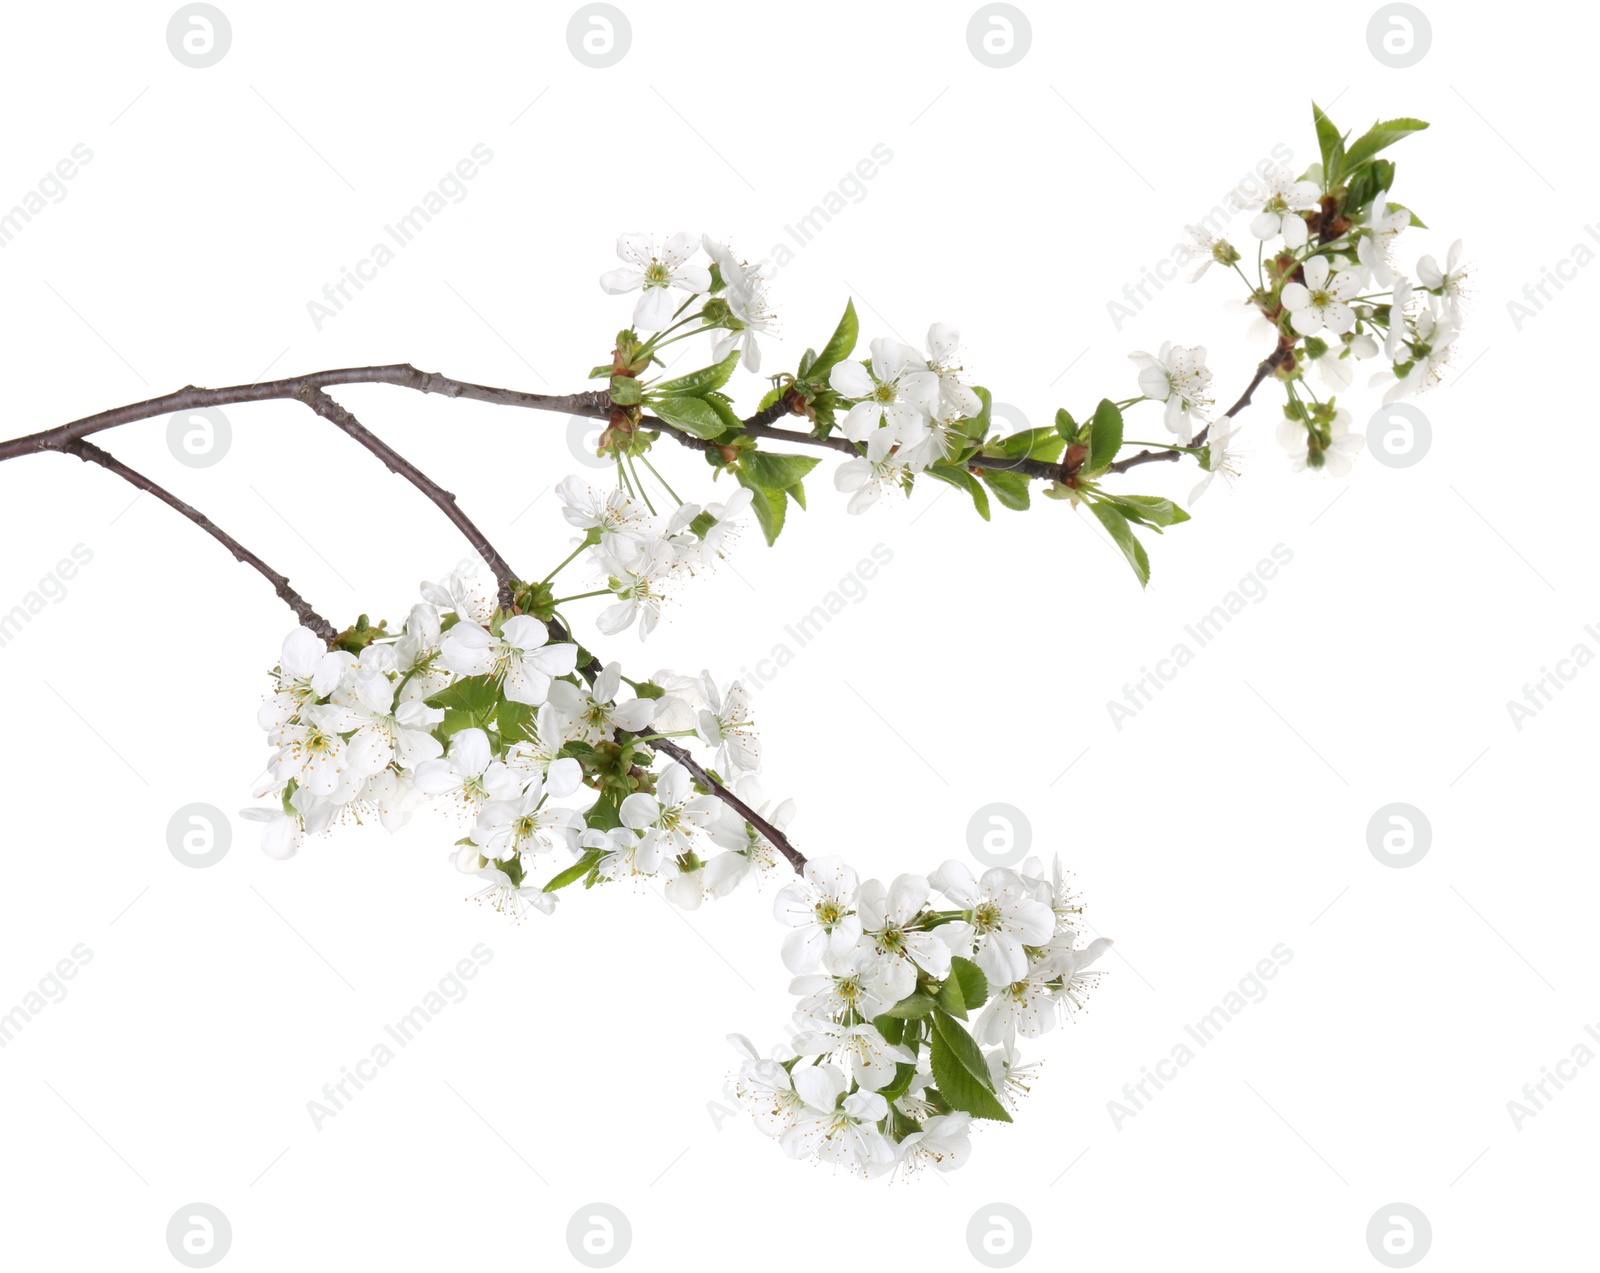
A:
(777, 838)
(335, 414)
(90, 453)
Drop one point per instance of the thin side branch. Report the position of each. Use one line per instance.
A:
(336, 415)
(777, 838)
(90, 453)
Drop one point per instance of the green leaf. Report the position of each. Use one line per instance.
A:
(1034, 444)
(977, 427)
(1332, 146)
(698, 383)
(693, 415)
(901, 1083)
(474, 695)
(1011, 489)
(625, 391)
(1122, 535)
(776, 472)
(974, 985)
(514, 721)
(959, 477)
(768, 506)
(576, 871)
(911, 1007)
(1105, 436)
(603, 814)
(1147, 510)
(1380, 136)
(839, 347)
(1066, 426)
(961, 1072)
(950, 999)
(893, 1029)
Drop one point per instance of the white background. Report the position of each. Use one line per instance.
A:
(587, 1061)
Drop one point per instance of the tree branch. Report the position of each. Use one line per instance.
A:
(331, 411)
(595, 403)
(90, 453)
(779, 841)
(1269, 364)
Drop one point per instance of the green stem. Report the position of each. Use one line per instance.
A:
(662, 480)
(567, 562)
(579, 596)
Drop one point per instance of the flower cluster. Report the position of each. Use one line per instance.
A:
(1329, 295)
(909, 1013)
(486, 713)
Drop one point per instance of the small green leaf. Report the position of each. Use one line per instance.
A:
(961, 1072)
(977, 427)
(692, 415)
(974, 985)
(626, 391)
(839, 347)
(1122, 535)
(959, 477)
(1332, 146)
(769, 507)
(901, 1083)
(603, 814)
(698, 383)
(893, 1029)
(1105, 437)
(1147, 510)
(776, 472)
(1380, 136)
(911, 1007)
(474, 695)
(1066, 426)
(1011, 489)
(1033, 444)
(950, 998)
(576, 871)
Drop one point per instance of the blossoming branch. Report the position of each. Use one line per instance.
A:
(562, 770)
